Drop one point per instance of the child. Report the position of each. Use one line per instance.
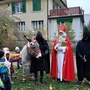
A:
(17, 51)
(4, 75)
(11, 60)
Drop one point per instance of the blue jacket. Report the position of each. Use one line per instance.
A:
(4, 76)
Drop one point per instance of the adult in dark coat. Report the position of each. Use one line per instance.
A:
(83, 58)
(42, 64)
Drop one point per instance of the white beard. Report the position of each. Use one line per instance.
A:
(61, 39)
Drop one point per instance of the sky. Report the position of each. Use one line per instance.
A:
(84, 4)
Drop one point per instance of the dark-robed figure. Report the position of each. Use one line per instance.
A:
(42, 64)
(83, 58)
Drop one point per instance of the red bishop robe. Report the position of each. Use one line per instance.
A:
(68, 62)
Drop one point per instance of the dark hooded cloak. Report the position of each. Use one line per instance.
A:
(83, 49)
(42, 63)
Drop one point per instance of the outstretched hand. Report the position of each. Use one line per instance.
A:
(2, 87)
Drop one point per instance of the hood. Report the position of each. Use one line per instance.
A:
(86, 33)
(7, 52)
(39, 35)
(39, 38)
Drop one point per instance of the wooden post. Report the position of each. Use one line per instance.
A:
(57, 51)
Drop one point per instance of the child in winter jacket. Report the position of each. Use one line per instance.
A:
(5, 83)
(11, 60)
(17, 51)
(9, 56)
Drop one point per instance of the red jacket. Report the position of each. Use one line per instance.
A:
(11, 61)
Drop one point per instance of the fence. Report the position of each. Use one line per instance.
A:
(65, 11)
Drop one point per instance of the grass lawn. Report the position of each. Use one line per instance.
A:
(30, 85)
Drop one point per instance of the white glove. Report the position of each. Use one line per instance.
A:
(60, 48)
(57, 47)
(7, 64)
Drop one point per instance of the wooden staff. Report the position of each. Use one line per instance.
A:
(57, 50)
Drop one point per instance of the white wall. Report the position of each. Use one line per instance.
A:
(81, 30)
(51, 29)
(50, 4)
(86, 18)
(78, 28)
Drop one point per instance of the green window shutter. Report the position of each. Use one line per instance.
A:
(53, 4)
(24, 6)
(36, 5)
(13, 8)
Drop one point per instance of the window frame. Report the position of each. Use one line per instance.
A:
(36, 24)
(20, 6)
(55, 5)
(20, 26)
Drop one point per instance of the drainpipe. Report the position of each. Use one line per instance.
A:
(47, 22)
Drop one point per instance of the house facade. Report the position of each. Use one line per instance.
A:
(44, 15)
(73, 15)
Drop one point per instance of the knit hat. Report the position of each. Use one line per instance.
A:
(1, 53)
(5, 49)
(17, 48)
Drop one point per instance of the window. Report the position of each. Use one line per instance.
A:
(37, 25)
(19, 7)
(55, 6)
(21, 26)
(36, 5)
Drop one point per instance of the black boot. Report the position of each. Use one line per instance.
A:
(41, 80)
(23, 81)
(79, 83)
(36, 83)
(18, 66)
